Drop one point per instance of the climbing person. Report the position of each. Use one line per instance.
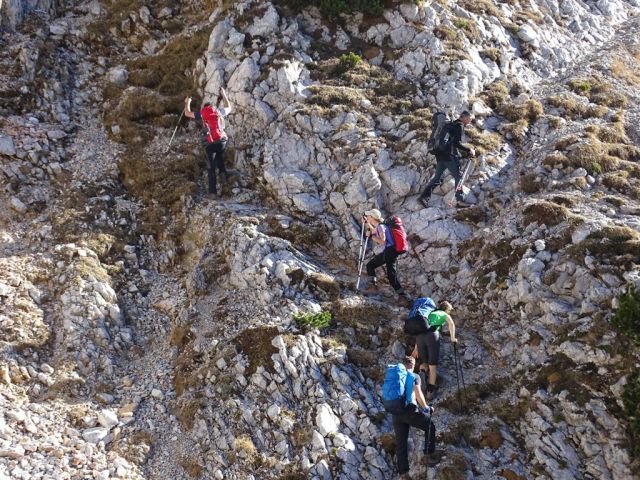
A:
(448, 157)
(427, 347)
(211, 122)
(402, 397)
(381, 233)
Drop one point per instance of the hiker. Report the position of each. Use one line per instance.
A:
(427, 347)
(416, 413)
(380, 233)
(449, 158)
(211, 121)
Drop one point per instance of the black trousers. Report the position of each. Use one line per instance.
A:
(215, 160)
(401, 424)
(389, 258)
(451, 163)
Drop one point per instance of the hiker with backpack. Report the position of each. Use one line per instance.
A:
(424, 322)
(210, 121)
(446, 143)
(393, 238)
(403, 398)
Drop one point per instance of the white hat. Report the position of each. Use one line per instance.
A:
(374, 213)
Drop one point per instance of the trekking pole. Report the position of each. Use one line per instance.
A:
(455, 362)
(174, 131)
(364, 254)
(464, 387)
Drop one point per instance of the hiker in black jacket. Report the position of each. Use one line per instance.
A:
(450, 159)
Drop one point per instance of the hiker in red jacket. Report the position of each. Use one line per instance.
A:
(381, 235)
(211, 121)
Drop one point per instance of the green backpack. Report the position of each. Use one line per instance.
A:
(437, 318)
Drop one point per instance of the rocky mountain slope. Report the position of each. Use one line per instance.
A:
(151, 332)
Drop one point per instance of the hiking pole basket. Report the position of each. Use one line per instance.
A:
(174, 131)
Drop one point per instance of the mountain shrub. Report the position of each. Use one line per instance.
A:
(627, 320)
(307, 321)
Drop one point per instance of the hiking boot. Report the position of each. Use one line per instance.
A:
(431, 392)
(432, 459)
(424, 201)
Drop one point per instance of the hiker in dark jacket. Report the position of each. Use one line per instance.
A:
(427, 347)
(381, 235)
(417, 415)
(450, 159)
(211, 122)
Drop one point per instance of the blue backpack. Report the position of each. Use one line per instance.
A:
(397, 389)
(417, 323)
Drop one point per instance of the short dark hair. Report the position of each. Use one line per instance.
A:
(207, 104)
(465, 113)
(409, 360)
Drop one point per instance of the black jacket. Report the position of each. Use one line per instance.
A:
(457, 129)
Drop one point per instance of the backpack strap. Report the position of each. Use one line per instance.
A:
(408, 387)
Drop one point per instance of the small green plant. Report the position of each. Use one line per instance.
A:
(308, 321)
(580, 85)
(348, 61)
(631, 402)
(627, 319)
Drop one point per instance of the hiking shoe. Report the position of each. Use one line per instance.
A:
(423, 381)
(424, 201)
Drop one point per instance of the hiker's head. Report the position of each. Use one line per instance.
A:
(373, 216)
(466, 117)
(206, 104)
(409, 362)
(446, 307)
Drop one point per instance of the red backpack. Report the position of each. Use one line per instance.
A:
(211, 121)
(398, 233)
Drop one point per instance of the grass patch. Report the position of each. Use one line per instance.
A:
(563, 374)
(545, 213)
(169, 71)
(619, 245)
(332, 9)
(475, 394)
(330, 96)
(530, 183)
(627, 317)
(255, 343)
(308, 321)
(573, 109)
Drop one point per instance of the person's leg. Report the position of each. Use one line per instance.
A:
(454, 167)
(211, 173)
(401, 430)
(435, 180)
(391, 260)
(218, 162)
(424, 423)
(374, 263)
(433, 347)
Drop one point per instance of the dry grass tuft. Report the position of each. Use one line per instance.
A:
(545, 213)
(255, 343)
(530, 183)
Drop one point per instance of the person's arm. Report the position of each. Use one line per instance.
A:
(225, 99)
(378, 235)
(456, 139)
(187, 108)
(419, 396)
(452, 329)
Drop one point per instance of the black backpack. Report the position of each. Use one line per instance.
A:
(440, 138)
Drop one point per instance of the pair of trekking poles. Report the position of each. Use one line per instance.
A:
(364, 241)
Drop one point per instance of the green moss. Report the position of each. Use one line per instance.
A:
(627, 317)
(545, 213)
